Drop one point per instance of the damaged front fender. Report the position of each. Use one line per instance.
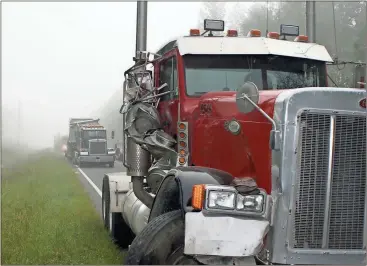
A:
(226, 236)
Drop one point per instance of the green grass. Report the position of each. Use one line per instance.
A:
(48, 217)
(9, 157)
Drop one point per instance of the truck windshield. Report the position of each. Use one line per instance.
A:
(207, 73)
(94, 134)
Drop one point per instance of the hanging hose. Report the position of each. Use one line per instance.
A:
(139, 191)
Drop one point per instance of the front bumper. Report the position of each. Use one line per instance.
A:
(97, 158)
(223, 235)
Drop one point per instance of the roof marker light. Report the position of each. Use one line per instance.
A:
(273, 35)
(232, 33)
(254, 33)
(194, 32)
(301, 38)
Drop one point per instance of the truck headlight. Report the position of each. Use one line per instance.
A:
(252, 203)
(234, 127)
(226, 199)
(221, 199)
(83, 153)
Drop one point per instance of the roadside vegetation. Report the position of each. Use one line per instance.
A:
(48, 217)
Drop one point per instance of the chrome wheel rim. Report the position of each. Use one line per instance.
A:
(104, 209)
(110, 222)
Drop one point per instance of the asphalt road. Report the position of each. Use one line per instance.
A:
(92, 177)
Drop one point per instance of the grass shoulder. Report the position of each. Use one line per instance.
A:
(48, 217)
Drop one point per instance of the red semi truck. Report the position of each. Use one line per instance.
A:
(239, 152)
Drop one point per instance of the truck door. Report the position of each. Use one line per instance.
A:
(168, 106)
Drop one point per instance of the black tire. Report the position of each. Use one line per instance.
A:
(120, 232)
(161, 243)
(111, 165)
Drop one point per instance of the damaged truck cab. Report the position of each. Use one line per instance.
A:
(238, 152)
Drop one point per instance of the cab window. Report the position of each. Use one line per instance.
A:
(210, 73)
(168, 74)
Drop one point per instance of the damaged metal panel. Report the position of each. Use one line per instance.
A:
(220, 235)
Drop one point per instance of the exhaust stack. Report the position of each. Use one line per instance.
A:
(141, 29)
(138, 160)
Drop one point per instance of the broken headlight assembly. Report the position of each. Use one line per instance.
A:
(226, 199)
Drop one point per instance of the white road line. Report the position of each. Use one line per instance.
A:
(90, 182)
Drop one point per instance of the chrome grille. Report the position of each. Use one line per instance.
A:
(330, 215)
(348, 187)
(97, 147)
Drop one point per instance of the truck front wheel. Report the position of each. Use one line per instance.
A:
(120, 232)
(161, 243)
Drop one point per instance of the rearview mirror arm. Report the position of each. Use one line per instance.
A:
(274, 134)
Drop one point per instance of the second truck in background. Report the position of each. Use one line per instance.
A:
(87, 143)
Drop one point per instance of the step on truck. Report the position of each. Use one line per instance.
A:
(87, 143)
(238, 152)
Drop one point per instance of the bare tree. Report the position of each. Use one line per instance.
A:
(350, 22)
(211, 10)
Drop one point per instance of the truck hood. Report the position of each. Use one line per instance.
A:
(213, 145)
(223, 104)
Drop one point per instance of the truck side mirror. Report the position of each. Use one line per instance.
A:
(112, 134)
(247, 99)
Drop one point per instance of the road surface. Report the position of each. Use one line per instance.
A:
(92, 177)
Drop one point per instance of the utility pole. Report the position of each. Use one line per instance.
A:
(311, 20)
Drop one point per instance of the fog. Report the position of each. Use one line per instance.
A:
(62, 60)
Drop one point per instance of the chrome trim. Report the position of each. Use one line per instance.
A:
(325, 251)
(325, 238)
(288, 105)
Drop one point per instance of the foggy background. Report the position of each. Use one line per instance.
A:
(62, 60)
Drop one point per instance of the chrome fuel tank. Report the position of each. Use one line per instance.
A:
(134, 212)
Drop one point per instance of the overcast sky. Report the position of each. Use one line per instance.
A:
(61, 60)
